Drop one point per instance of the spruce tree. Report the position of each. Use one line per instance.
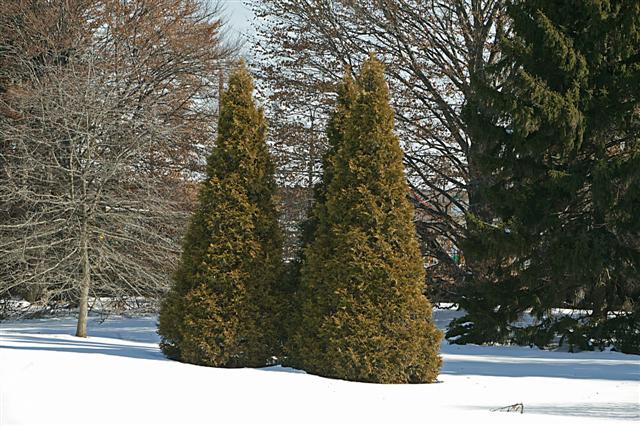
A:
(565, 180)
(364, 315)
(221, 307)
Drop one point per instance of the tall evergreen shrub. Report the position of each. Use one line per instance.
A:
(221, 308)
(363, 313)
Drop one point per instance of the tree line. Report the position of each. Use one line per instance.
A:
(518, 123)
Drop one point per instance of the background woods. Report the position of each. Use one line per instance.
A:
(106, 113)
(436, 54)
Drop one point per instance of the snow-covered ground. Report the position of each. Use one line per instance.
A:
(118, 376)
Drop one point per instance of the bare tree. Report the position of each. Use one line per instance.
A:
(436, 52)
(105, 109)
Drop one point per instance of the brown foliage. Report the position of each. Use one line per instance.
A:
(114, 101)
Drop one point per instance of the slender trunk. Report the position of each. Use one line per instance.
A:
(312, 155)
(220, 86)
(83, 302)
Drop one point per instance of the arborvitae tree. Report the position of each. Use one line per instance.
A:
(309, 227)
(222, 305)
(566, 180)
(364, 316)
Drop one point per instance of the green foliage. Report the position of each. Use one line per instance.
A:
(565, 179)
(292, 298)
(221, 309)
(363, 314)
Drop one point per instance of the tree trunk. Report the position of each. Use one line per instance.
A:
(312, 157)
(83, 302)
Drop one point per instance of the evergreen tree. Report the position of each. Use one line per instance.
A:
(221, 308)
(309, 227)
(565, 180)
(364, 316)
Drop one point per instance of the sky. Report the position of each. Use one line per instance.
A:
(239, 17)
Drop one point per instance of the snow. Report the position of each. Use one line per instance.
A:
(119, 376)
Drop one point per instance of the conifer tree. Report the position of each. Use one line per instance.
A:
(310, 226)
(221, 308)
(566, 180)
(364, 316)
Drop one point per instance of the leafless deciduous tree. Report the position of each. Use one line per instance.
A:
(436, 52)
(105, 107)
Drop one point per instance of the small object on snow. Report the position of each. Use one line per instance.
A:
(516, 408)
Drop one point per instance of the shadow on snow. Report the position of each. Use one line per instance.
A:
(70, 344)
(140, 341)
